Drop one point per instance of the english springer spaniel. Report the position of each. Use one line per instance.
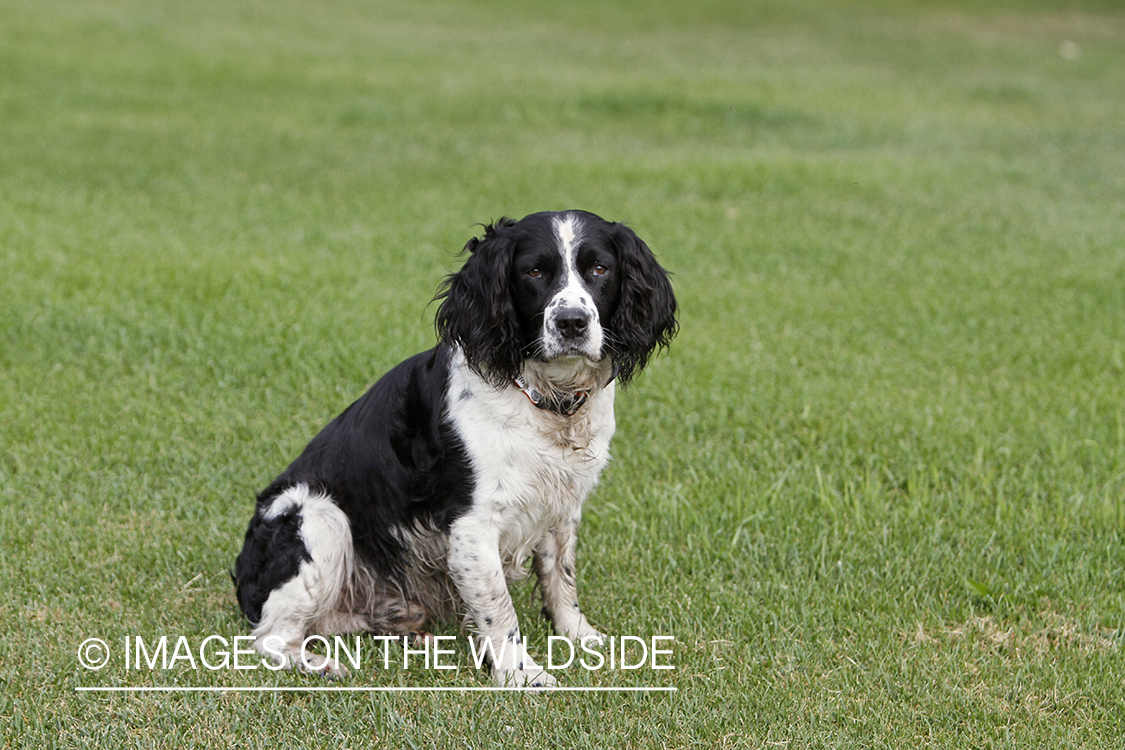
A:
(425, 497)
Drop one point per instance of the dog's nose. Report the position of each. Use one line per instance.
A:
(572, 322)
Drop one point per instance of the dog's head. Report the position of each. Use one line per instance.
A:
(555, 286)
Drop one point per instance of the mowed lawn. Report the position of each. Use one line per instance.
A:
(875, 491)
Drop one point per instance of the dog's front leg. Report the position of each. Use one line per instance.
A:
(555, 566)
(478, 573)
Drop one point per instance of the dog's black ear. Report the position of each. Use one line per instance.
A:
(645, 318)
(476, 311)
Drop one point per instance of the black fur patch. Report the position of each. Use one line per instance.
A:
(390, 460)
(271, 554)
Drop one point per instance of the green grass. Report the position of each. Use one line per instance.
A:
(875, 490)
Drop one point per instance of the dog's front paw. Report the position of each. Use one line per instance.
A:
(578, 630)
(536, 677)
(591, 637)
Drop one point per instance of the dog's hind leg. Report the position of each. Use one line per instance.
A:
(295, 568)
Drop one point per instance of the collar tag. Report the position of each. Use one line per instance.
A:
(532, 394)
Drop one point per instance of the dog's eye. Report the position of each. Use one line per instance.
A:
(600, 270)
(535, 273)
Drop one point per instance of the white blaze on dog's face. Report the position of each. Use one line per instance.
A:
(566, 285)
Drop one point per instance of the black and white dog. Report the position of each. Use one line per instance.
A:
(427, 495)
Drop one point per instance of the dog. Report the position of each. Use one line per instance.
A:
(425, 498)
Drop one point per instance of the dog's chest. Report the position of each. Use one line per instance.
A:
(541, 471)
(531, 461)
(532, 469)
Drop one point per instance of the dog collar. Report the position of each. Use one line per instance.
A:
(566, 408)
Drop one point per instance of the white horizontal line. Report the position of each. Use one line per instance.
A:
(311, 689)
